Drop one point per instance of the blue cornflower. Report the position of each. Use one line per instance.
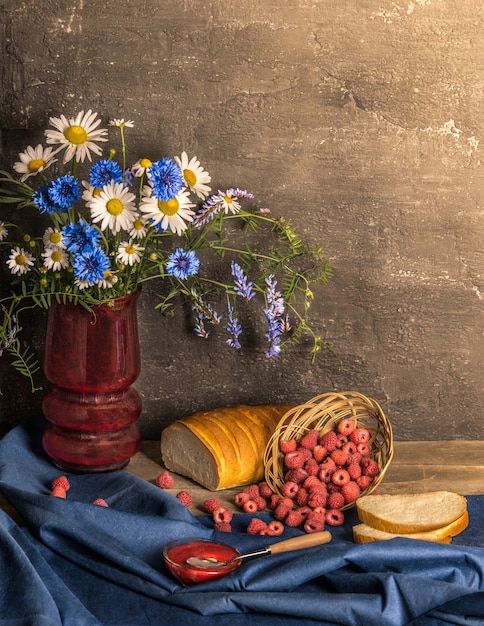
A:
(64, 192)
(103, 172)
(43, 200)
(80, 236)
(233, 328)
(243, 288)
(275, 317)
(166, 178)
(182, 263)
(90, 265)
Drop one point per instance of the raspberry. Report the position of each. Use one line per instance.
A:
(281, 512)
(274, 528)
(325, 473)
(101, 502)
(310, 439)
(240, 499)
(294, 459)
(370, 467)
(314, 525)
(319, 453)
(341, 440)
(305, 511)
(274, 501)
(58, 492)
(211, 504)
(185, 498)
(223, 527)
(256, 526)
(346, 426)
(340, 477)
(335, 500)
(260, 503)
(311, 481)
(165, 480)
(339, 457)
(363, 449)
(319, 488)
(360, 435)
(253, 491)
(287, 502)
(302, 496)
(320, 510)
(364, 482)
(334, 517)
(250, 506)
(222, 514)
(349, 448)
(329, 440)
(289, 490)
(317, 499)
(354, 470)
(294, 518)
(60, 481)
(350, 491)
(265, 490)
(288, 445)
(311, 467)
(354, 458)
(297, 475)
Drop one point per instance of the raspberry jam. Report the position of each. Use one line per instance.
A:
(177, 552)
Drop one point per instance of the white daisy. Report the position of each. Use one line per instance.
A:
(34, 160)
(114, 208)
(89, 192)
(129, 253)
(171, 214)
(138, 229)
(20, 261)
(228, 204)
(78, 135)
(121, 123)
(194, 175)
(3, 231)
(108, 281)
(55, 259)
(140, 167)
(52, 238)
(82, 284)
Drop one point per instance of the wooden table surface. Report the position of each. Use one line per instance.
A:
(416, 467)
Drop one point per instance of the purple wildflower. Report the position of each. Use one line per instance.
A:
(234, 328)
(243, 287)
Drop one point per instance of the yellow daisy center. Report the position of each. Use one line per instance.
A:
(130, 249)
(96, 192)
(20, 259)
(145, 163)
(75, 135)
(137, 224)
(169, 207)
(36, 164)
(55, 238)
(56, 256)
(114, 206)
(228, 199)
(190, 178)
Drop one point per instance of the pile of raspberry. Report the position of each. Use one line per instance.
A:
(322, 474)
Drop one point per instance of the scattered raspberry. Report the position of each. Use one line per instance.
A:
(250, 506)
(274, 501)
(60, 481)
(101, 502)
(286, 502)
(211, 504)
(223, 527)
(351, 491)
(305, 511)
(256, 526)
(290, 489)
(165, 480)
(334, 517)
(346, 426)
(329, 441)
(222, 514)
(185, 498)
(310, 439)
(260, 503)
(289, 445)
(274, 528)
(339, 457)
(360, 435)
(294, 518)
(335, 500)
(59, 492)
(320, 510)
(265, 490)
(281, 512)
(340, 477)
(294, 459)
(314, 522)
(364, 482)
(240, 499)
(252, 491)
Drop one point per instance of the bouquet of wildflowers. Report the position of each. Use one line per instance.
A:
(102, 236)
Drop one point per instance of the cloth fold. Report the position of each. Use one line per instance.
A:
(78, 563)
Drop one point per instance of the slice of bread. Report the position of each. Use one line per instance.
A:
(366, 534)
(411, 513)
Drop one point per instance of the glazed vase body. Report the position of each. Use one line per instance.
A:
(91, 360)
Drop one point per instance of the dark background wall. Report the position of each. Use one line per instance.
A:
(360, 122)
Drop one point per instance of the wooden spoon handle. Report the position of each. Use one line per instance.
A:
(298, 543)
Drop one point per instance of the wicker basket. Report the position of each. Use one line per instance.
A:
(323, 413)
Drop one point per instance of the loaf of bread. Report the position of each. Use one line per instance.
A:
(411, 513)
(362, 533)
(221, 448)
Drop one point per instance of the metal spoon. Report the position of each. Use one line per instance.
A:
(296, 543)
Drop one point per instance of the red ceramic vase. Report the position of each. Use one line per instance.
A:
(91, 360)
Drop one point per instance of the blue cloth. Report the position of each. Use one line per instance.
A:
(76, 563)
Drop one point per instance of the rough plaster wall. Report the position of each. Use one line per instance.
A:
(361, 122)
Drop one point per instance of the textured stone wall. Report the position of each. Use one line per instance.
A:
(360, 122)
